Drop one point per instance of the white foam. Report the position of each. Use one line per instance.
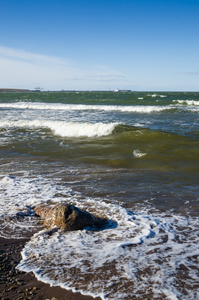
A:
(82, 107)
(127, 260)
(187, 102)
(86, 251)
(138, 153)
(156, 95)
(18, 197)
(65, 129)
(136, 254)
(19, 193)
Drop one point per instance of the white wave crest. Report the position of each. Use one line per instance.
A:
(80, 107)
(65, 129)
(156, 95)
(187, 102)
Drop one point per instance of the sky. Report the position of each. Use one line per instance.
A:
(100, 44)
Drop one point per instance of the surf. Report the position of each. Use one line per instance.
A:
(83, 107)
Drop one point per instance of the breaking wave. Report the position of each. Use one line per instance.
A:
(65, 129)
(187, 102)
(69, 107)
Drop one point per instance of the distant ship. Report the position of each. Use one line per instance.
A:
(117, 90)
(37, 89)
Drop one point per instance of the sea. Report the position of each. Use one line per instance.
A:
(129, 157)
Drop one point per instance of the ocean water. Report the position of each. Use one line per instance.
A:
(131, 157)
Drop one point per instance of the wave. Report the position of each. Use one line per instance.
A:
(68, 107)
(187, 102)
(111, 144)
(156, 95)
(65, 129)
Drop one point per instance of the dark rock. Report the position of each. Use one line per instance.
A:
(66, 217)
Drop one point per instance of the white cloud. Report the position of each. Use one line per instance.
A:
(22, 69)
(28, 56)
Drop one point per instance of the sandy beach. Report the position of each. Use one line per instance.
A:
(16, 285)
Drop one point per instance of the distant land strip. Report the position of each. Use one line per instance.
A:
(2, 90)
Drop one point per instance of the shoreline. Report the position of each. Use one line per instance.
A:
(7, 90)
(18, 285)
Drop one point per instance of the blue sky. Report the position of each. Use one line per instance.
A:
(100, 44)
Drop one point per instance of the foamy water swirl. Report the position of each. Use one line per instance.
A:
(139, 253)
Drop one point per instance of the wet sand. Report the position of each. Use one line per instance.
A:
(17, 285)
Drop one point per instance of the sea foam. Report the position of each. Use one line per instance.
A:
(187, 102)
(139, 256)
(137, 253)
(69, 107)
